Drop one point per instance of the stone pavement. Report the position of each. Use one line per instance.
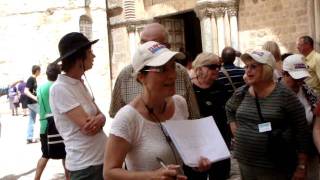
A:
(18, 160)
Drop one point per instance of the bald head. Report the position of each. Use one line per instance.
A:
(228, 55)
(154, 32)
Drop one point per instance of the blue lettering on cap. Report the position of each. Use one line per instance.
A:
(300, 66)
(153, 49)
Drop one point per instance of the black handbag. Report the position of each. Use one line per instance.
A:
(56, 147)
(281, 152)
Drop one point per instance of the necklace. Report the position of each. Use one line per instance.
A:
(151, 110)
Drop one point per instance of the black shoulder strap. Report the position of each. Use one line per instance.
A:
(258, 107)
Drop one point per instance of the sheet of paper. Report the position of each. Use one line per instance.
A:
(196, 138)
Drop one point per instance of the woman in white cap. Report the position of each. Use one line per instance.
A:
(77, 117)
(136, 134)
(271, 134)
(294, 73)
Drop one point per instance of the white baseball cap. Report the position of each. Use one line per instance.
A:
(153, 54)
(261, 56)
(295, 66)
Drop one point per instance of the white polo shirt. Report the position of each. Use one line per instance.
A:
(82, 150)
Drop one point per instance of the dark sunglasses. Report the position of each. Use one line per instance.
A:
(213, 66)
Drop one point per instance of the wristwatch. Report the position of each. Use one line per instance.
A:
(302, 166)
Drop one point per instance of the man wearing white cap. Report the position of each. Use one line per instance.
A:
(294, 73)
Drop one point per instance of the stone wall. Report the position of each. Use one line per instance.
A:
(31, 29)
(278, 20)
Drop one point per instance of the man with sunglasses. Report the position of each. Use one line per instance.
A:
(126, 87)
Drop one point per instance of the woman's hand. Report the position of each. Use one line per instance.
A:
(169, 173)
(94, 124)
(203, 165)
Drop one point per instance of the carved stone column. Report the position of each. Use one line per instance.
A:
(232, 12)
(204, 14)
(214, 34)
(219, 13)
(131, 29)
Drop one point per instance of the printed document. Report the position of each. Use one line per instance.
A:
(196, 138)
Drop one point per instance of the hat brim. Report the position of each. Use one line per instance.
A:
(247, 56)
(75, 50)
(164, 58)
(299, 74)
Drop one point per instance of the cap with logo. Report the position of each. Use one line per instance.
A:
(153, 54)
(261, 56)
(295, 66)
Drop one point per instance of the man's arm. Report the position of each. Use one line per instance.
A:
(117, 101)
(4, 91)
(29, 94)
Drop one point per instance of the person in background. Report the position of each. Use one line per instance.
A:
(22, 97)
(13, 100)
(77, 117)
(44, 110)
(305, 47)
(211, 97)
(294, 74)
(126, 88)
(31, 92)
(5, 91)
(230, 76)
(280, 111)
(136, 134)
(273, 47)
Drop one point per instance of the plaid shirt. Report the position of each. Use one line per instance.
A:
(127, 88)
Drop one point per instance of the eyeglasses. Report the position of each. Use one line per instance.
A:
(213, 66)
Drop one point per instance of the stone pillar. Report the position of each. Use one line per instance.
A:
(132, 39)
(214, 34)
(232, 12)
(227, 30)
(219, 12)
(206, 29)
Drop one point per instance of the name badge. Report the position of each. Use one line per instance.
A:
(264, 127)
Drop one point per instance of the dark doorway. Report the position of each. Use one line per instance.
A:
(184, 32)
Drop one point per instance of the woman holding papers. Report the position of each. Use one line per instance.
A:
(136, 135)
(211, 97)
(263, 114)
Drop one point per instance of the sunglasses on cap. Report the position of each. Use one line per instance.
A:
(213, 66)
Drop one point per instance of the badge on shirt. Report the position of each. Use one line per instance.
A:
(264, 127)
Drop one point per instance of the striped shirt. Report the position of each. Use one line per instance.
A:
(281, 108)
(127, 88)
(236, 75)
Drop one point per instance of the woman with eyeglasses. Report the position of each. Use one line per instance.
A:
(137, 136)
(272, 139)
(211, 97)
